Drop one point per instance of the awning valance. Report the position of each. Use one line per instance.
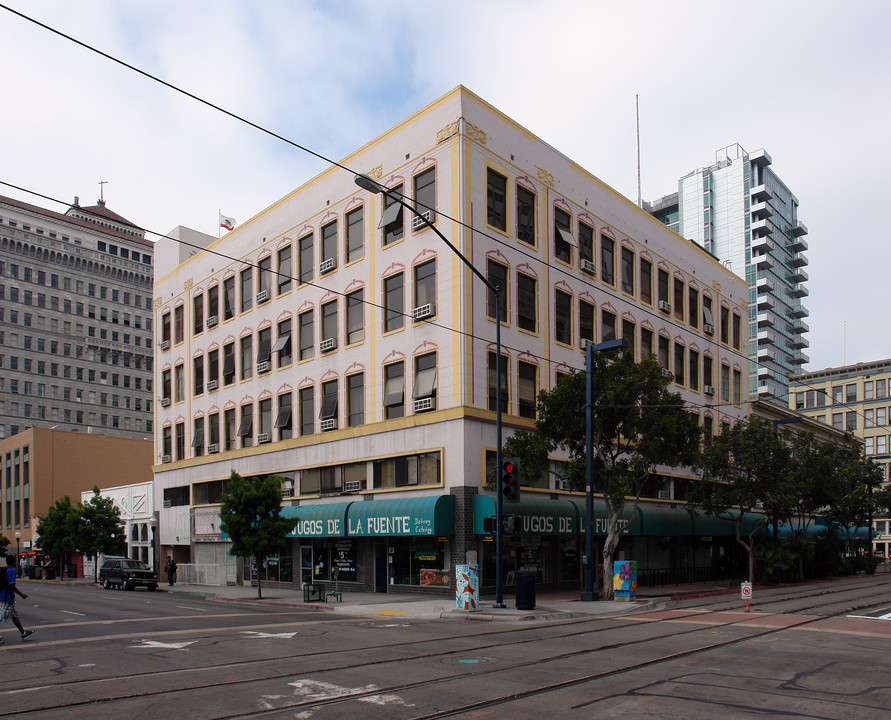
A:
(629, 522)
(317, 520)
(433, 515)
(533, 517)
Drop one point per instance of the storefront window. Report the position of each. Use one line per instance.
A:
(420, 561)
(338, 554)
(275, 568)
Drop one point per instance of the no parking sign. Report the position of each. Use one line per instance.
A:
(745, 591)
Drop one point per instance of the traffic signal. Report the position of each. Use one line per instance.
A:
(510, 479)
(489, 524)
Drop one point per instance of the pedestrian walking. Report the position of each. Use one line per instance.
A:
(170, 569)
(23, 565)
(7, 598)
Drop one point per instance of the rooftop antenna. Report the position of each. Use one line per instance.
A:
(637, 114)
(102, 191)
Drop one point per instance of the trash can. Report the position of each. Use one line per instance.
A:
(525, 590)
(72, 570)
(35, 572)
(49, 573)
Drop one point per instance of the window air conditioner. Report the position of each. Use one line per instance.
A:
(263, 367)
(165, 345)
(211, 321)
(165, 458)
(213, 448)
(263, 438)
(419, 220)
(422, 311)
(352, 486)
(262, 296)
(327, 345)
(664, 495)
(588, 266)
(328, 424)
(288, 490)
(561, 484)
(165, 402)
(665, 306)
(168, 503)
(708, 390)
(708, 329)
(212, 385)
(327, 265)
(422, 404)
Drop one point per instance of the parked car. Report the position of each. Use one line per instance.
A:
(126, 573)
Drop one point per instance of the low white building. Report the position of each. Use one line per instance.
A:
(136, 504)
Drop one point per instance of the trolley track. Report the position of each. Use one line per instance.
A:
(95, 691)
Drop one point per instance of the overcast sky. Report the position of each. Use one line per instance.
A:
(807, 81)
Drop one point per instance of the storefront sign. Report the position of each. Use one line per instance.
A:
(318, 528)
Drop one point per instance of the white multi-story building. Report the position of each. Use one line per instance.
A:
(739, 210)
(335, 340)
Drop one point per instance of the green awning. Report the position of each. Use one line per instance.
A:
(533, 516)
(725, 526)
(661, 520)
(317, 520)
(434, 515)
(629, 523)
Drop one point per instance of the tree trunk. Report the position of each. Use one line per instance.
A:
(259, 580)
(609, 547)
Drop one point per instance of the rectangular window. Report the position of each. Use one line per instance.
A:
(627, 271)
(563, 239)
(586, 249)
(264, 415)
(213, 429)
(663, 353)
(213, 301)
(179, 378)
(425, 379)
(586, 321)
(646, 281)
(328, 261)
(394, 298)
(837, 395)
(283, 343)
(247, 357)
(527, 301)
(328, 407)
(305, 259)
(562, 317)
(527, 389)
(197, 314)
(629, 331)
(737, 331)
(198, 375)
(505, 394)
(306, 335)
(725, 383)
(496, 200)
(356, 399)
(198, 437)
(425, 194)
(525, 216)
(264, 347)
(838, 420)
(679, 299)
(496, 273)
(850, 420)
(881, 389)
(247, 285)
(725, 325)
(694, 370)
(851, 393)
(646, 343)
(165, 385)
(213, 366)
(180, 441)
(355, 309)
(284, 269)
(693, 306)
(307, 411)
(391, 220)
(680, 363)
(229, 298)
(425, 288)
(283, 422)
(394, 390)
(246, 425)
(229, 428)
(708, 377)
(329, 325)
(264, 277)
(165, 327)
(355, 231)
(662, 286)
(607, 326)
(607, 260)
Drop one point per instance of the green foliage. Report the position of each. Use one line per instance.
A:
(58, 529)
(4, 544)
(251, 516)
(637, 425)
(99, 528)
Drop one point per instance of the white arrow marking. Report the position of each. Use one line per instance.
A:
(155, 644)
(268, 635)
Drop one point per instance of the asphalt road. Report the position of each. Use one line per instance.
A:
(816, 652)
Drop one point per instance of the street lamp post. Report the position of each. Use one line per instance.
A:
(18, 537)
(588, 561)
(367, 183)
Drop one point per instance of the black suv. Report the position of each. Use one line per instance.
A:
(127, 574)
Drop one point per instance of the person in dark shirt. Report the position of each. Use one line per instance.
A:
(7, 600)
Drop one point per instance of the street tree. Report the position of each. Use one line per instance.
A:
(251, 516)
(744, 468)
(58, 529)
(638, 427)
(851, 503)
(100, 529)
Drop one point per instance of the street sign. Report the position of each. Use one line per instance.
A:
(745, 590)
